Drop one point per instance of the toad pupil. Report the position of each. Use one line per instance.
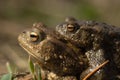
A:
(70, 28)
(34, 36)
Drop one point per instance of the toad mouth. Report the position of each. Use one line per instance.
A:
(39, 61)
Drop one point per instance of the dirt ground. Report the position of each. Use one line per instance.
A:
(10, 51)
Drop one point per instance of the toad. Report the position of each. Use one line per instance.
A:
(57, 60)
(99, 42)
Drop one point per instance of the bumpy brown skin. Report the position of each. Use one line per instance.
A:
(58, 61)
(99, 41)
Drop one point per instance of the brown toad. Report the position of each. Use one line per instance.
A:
(53, 55)
(99, 41)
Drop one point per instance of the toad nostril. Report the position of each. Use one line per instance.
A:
(24, 32)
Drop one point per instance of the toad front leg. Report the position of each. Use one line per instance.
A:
(99, 67)
(95, 58)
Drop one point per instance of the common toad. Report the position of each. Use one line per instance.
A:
(57, 60)
(99, 41)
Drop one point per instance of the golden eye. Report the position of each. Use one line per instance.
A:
(70, 27)
(34, 36)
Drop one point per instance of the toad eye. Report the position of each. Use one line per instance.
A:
(34, 36)
(70, 27)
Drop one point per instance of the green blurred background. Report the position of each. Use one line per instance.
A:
(17, 15)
